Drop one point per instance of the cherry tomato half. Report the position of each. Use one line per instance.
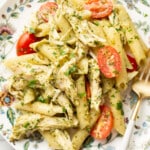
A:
(45, 9)
(133, 63)
(99, 8)
(104, 124)
(23, 44)
(109, 61)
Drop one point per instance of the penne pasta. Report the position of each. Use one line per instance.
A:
(41, 108)
(63, 138)
(79, 137)
(83, 107)
(35, 58)
(51, 139)
(48, 123)
(115, 41)
(131, 35)
(117, 110)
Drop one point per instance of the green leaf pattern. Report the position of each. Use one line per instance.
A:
(11, 115)
(12, 12)
(26, 145)
(1, 126)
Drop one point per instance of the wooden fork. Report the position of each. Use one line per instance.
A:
(142, 89)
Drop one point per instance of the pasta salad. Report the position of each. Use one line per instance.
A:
(75, 58)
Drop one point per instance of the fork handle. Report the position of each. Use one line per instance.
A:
(127, 135)
(130, 126)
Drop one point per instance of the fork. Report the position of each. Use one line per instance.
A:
(142, 88)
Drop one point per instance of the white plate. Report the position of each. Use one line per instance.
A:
(14, 15)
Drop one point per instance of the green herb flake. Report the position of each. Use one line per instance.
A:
(96, 23)
(136, 37)
(32, 70)
(62, 52)
(130, 41)
(26, 125)
(119, 106)
(64, 110)
(31, 30)
(32, 83)
(41, 99)
(71, 70)
(113, 95)
(81, 95)
(54, 53)
(96, 42)
(72, 55)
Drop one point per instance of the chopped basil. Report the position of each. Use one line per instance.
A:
(31, 30)
(41, 99)
(81, 95)
(62, 52)
(71, 70)
(120, 107)
(64, 110)
(32, 83)
(26, 125)
(96, 23)
(72, 55)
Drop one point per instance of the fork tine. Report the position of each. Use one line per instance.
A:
(147, 76)
(142, 74)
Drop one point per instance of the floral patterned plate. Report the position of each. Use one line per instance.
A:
(14, 15)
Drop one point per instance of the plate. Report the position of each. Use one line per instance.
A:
(13, 17)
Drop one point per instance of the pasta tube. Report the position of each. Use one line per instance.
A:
(57, 123)
(63, 138)
(131, 35)
(79, 137)
(41, 108)
(117, 110)
(51, 139)
(83, 107)
(114, 40)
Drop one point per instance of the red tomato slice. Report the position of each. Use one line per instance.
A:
(133, 63)
(99, 8)
(24, 42)
(47, 8)
(109, 61)
(104, 124)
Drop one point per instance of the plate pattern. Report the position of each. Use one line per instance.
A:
(13, 17)
(7, 30)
